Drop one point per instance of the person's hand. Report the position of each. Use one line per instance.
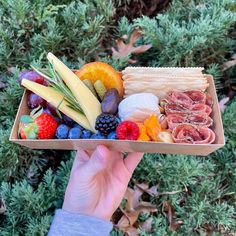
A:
(98, 182)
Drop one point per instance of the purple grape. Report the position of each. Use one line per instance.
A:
(58, 120)
(52, 109)
(46, 110)
(34, 101)
(32, 76)
(67, 120)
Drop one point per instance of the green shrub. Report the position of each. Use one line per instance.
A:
(188, 33)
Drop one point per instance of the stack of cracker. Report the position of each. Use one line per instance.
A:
(161, 80)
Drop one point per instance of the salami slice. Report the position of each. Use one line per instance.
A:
(175, 119)
(179, 98)
(186, 133)
(208, 136)
(171, 108)
(196, 96)
(201, 108)
(202, 120)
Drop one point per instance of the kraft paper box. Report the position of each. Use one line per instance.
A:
(127, 146)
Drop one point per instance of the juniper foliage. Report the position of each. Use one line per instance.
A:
(31, 28)
(188, 33)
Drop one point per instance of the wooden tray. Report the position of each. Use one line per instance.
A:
(127, 146)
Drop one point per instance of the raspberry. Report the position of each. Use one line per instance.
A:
(127, 130)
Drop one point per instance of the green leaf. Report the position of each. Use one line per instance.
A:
(26, 119)
(36, 112)
(31, 131)
(58, 84)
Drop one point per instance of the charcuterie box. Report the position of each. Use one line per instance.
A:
(126, 145)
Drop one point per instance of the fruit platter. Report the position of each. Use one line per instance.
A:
(143, 109)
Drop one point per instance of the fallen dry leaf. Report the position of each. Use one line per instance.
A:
(132, 197)
(147, 225)
(228, 64)
(124, 50)
(222, 103)
(132, 231)
(2, 206)
(134, 203)
(2, 85)
(134, 206)
(169, 212)
(145, 207)
(152, 191)
(132, 216)
(124, 225)
(145, 187)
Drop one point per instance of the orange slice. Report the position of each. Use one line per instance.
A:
(101, 71)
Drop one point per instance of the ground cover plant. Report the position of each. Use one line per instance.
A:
(183, 195)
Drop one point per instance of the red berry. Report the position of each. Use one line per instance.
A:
(21, 131)
(38, 126)
(32, 76)
(46, 126)
(127, 130)
(34, 101)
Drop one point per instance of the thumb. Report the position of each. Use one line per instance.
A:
(98, 160)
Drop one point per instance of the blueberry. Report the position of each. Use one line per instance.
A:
(74, 133)
(67, 120)
(78, 126)
(62, 131)
(98, 136)
(112, 135)
(86, 134)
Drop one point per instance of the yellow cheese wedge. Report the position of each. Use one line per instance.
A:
(56, 99)
(88, 102)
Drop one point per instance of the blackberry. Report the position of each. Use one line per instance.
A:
(106, 123)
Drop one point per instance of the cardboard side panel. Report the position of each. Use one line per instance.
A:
(123, 146)
(22, 110)
(127, 146)
(216, 114)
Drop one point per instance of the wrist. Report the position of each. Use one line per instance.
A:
(87, 212)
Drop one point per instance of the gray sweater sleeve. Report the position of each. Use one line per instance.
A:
(71, 224)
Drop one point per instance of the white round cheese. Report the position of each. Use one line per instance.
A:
(138, 107)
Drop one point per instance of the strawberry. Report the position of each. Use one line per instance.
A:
(38, 125)
(127, 130)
